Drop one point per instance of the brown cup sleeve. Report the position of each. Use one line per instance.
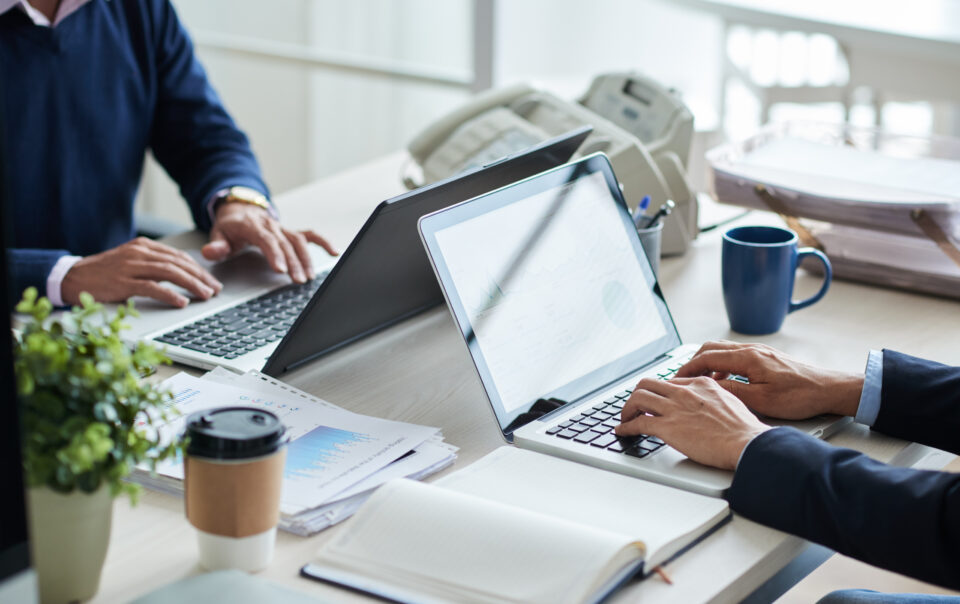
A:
(234, 499)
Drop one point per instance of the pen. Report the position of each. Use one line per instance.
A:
(641, 208)
(663, 575)
(663, 212)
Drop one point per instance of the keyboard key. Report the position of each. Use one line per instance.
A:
(590, 421)
(616, 446)
(576, 418)
(568, 434)
(554, 430)
(647, 446)
(613, 422)
(610, 400)
(599, 406)
(625, 394)
(197, 347)
(604, 441)
(655, 440)
(248, 326)
(637, 452)
(601, 429)
(566, 424)
(585, 437)
(578, 428)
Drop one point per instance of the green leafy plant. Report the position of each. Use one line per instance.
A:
(88, 417)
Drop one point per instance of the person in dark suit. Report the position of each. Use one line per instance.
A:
(91, 86)
(900, 519)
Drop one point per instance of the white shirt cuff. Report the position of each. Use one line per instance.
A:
(55, 278)
(869, 406)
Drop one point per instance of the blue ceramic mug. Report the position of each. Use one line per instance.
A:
(759, 263)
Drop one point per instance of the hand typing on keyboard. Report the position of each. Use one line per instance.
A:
(707, 416)
(696, 416)
(779, 386)
(236, 225)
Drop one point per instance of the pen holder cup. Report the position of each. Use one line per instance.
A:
(650, 239)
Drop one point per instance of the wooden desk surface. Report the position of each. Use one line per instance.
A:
(419, 372)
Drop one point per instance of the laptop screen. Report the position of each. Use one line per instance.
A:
(384, 276)
(550, 286)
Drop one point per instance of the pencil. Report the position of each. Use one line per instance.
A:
(663, 575)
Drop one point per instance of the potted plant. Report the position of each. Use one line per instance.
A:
(88, 419)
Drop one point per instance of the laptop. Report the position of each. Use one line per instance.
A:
(261, 321)
(561, 314)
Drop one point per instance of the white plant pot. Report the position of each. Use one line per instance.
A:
(69, 535)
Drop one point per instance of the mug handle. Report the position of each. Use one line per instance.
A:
(827, 277)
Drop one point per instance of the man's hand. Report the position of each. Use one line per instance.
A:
(694, 416)
(237, 225)
(779, 386)
(134, 269)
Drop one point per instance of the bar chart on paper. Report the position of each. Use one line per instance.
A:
(334, 457)
(318, 450)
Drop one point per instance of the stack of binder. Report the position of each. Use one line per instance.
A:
(885, 208)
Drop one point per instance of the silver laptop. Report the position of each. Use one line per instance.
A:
(562, 315)
(241, 326)
(262, 321)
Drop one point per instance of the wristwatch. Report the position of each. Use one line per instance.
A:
(243, 195)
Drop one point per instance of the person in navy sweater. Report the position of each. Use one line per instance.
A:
(89, 87)
(900, 519)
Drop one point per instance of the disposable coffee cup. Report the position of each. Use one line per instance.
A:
(232, 482)
(650, 239)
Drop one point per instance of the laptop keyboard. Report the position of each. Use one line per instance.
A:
(594, 425)
(243, 328)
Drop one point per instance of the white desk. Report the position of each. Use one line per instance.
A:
(419, 372)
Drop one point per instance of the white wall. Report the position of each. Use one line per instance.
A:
(564, 43)
(306, 122)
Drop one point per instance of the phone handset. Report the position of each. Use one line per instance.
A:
(643, 129)
(468, 135)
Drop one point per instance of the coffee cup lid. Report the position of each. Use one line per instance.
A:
(233, 433)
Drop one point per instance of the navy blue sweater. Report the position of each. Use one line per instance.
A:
(82, 104)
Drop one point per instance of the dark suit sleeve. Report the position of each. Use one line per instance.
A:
(30, 267)
(920, 401)
(193, 137)
(900, 519)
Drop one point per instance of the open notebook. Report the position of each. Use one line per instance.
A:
(516, 526)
